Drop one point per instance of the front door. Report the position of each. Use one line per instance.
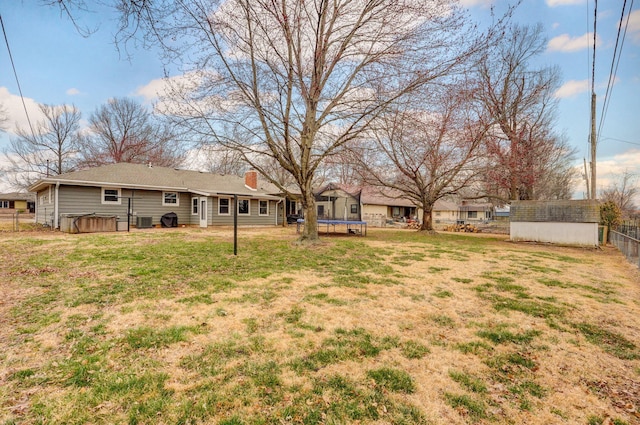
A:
(203, 212)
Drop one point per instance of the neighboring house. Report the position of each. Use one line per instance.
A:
(197, 198)
(338, 202)
(387, 205)
(445, 212)
(502, 213)
(475, 212)
(17, 202)
(370, 204)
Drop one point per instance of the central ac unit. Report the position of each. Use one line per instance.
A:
(144, 222)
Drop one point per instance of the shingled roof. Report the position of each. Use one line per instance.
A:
(17, 196)
(140, 176)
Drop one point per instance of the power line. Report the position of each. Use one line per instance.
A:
(6, 40)
(615, 62)
(620, 140)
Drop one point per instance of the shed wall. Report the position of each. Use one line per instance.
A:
(553, 232)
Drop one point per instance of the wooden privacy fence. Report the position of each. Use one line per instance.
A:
(628, 245)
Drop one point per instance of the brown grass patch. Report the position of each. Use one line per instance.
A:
(229, 339)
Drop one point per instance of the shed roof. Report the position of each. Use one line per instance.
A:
(140, 176)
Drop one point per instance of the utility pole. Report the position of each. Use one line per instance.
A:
(593, 146)
(586, 178)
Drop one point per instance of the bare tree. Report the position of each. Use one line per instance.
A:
(51, 148)
(521, 101)
(426, 152)
(623, 193)
(216, 159)
(4, 118)
(558, 174)
(296, 80)
(123, 130)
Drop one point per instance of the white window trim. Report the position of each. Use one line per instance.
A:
(228, 206)
(259, 213)
(164, 204)
(197, 205)
(118, 202)
(50, 197)
(248, 206)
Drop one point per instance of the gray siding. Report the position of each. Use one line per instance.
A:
(86, 200)
(44, 211)
(254, 219)
(145, 203)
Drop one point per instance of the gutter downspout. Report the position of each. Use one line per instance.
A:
(283, 216)
(56, 224)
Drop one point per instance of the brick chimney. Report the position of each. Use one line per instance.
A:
(251, 179)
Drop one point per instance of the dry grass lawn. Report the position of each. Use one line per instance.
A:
(166, 326)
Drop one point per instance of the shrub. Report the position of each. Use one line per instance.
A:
(610, 214)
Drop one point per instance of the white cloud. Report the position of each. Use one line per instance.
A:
(634, 26)
(555, 3)
(160, 88)
(572, 88)
(618, 164)
(153, 89)
(180, 94)
(566, 43)
(482, 3)
(73, 91)
(17, 117)
(611, 169)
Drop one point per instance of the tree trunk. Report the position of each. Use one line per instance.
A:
(427, 221)
(310, 229)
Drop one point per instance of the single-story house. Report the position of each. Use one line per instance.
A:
(502, 213)
(366, 203)
(17, 202)
(142, 194)
(475, 212)
(338, 202)
(445, 212)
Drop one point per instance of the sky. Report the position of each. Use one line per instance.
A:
(56, 64)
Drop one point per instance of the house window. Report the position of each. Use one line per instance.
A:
(292, 207)
(243, 207)
(223, 206)
(111, 196)
(320, 210)
(263, 208)
(354, 208)
(4, 204)
(194, 206)
(437, 213)
(170, 198)
(472, 214)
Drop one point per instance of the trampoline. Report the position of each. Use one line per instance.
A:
(352, 227)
